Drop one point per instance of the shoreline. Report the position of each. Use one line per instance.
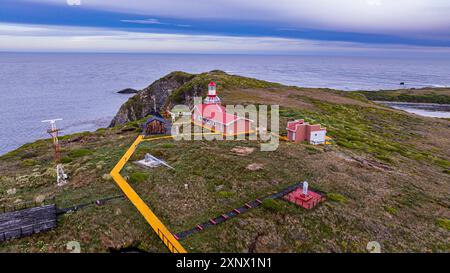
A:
(410, 103)
(430, 110)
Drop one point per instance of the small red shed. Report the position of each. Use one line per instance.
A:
(299, 130)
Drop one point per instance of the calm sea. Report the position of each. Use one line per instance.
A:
(81, 88)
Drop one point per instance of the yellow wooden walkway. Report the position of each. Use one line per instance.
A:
(160, 229)
(164, 234)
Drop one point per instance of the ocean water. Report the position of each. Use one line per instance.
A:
(81, 88)
(422, 109)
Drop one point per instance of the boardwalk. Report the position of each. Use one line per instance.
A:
(27, 222)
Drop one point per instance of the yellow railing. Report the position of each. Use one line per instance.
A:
(166, 236)
(160, 229)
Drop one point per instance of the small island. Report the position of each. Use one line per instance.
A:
(128, 91)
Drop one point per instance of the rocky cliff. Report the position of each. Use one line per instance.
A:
(142, 104)
(180, 88)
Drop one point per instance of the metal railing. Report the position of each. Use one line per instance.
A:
(26, 205)
(167, 242)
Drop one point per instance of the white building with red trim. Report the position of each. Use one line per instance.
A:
(299, 130)
(212, 115)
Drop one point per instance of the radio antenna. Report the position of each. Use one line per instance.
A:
(53, 131)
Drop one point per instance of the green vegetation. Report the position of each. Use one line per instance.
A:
(29, 162)
(390, 210)
(225, 81)
(426, 95)
(313, 149)
(79, 153)
(66, 160)
(225, 194)
(167, 146)
(137, 177)
(375, 131)
(443, 223)
(273, 205)
(336, 197)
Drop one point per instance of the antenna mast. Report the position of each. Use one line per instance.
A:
(53, 131)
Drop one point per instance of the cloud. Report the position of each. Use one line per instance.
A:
(145, 21)
(153, 21)
(369, 16)
(45, 38)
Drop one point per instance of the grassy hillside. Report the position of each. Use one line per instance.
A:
(387, 177)
(424, 95)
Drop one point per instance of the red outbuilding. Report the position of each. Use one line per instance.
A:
(299, 130)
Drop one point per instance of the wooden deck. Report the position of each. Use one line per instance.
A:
(27, 222)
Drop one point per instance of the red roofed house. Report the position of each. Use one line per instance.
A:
(299, 130)
(212, 115)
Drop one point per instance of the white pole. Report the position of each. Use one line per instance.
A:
(305, 188)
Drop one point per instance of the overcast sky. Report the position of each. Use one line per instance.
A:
(227, 26)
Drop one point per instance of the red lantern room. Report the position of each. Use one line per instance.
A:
(212, 97)
(212, 90)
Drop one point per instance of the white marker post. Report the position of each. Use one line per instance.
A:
(305, 188)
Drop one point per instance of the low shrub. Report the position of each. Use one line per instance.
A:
(272, 205)
(443, 223)
(225, 194)
(336, 197)
(79, 153)
(29, 162)
(390, 210)
(138, 177)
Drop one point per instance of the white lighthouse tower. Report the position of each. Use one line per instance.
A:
(212, 97)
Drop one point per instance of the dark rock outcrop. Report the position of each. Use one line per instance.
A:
(128, 91)
(142, 104)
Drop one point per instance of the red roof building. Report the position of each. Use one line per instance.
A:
(212, 115)
(299, 131)
(215, 118)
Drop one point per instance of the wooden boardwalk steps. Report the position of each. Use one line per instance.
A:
(27, 222)
(235, 212)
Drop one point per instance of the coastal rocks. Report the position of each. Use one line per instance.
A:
(175, 88)
(128, 91)
(40, 198)
(242, 151)
(99, 166)
(142, 104)
(255, 167)
(107, 177)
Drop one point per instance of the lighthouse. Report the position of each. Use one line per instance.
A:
(212, 97)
